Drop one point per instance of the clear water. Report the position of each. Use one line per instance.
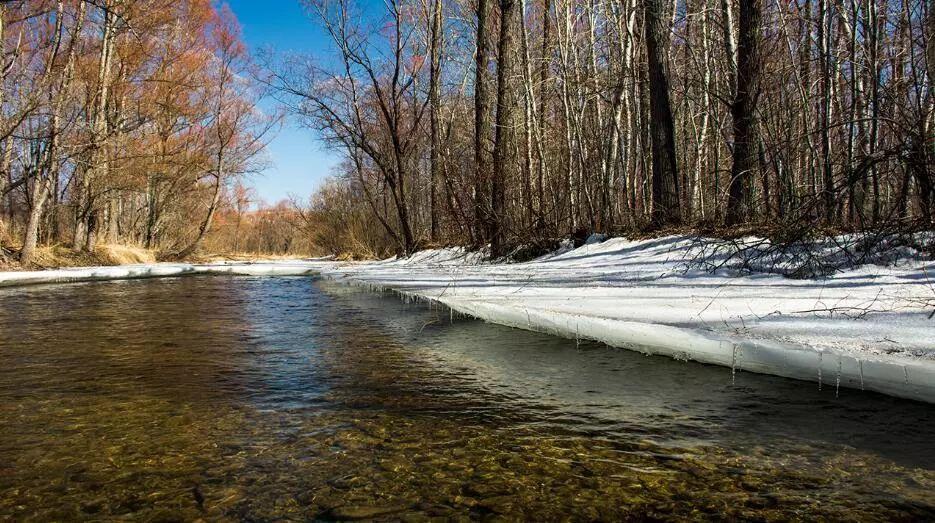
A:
(223, 398)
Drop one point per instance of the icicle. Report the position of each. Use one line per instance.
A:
(733, 365)
(906, 372)
(820, 357)
(860, 371)
(837, 378)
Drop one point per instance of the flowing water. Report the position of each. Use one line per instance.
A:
(222, 398)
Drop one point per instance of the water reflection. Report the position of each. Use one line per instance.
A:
(602, 389)
(252, 398)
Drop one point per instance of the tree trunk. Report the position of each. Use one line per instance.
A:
(5, 167)
(505, 133)
(930, 51)
(152, 214)
(528, 112)
(543, 108)
(482, 123)
(86, 232)
(434, 107)
(398, 190)
(743, 112)
(6, 162)
(205, 226)
(665, 185)
(701, 151)
(39, 196)
(828, 201)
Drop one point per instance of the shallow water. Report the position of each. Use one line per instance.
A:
(293, 398)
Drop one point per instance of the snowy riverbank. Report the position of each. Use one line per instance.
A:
(160, 270)
(862, 328)
(867, 327)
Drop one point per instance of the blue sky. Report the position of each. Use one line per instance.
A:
(298, 162)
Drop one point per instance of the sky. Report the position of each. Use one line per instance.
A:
(297, 161)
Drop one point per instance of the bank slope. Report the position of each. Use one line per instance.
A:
(160, 270)
(865, 328)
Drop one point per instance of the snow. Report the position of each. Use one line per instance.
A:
(161, 270)
(867, 327)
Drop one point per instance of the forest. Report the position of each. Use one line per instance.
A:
(511, 123)
(501, 123)
(126, 122)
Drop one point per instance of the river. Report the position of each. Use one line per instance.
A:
(270, 398)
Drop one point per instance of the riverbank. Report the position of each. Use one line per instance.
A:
(160, 270)
(866, 327)
(58, 256)
(111, 255)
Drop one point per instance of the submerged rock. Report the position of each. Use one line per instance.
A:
(356, 512)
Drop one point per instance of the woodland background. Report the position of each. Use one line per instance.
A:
(508, 123)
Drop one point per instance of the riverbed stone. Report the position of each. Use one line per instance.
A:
(357, 512)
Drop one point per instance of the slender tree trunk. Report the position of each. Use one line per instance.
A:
(730, 39)
(152, 214)
(546, 56)
(930, 50)
(872, 41)
(435, 108)
(701, 153)
(529, 102)
(205, 225)
(5, 167)
(827, 192)
(482, 124)
(807, 166)
(925, 162)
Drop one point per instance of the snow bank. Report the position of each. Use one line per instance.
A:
(160, 270)
(867, 327)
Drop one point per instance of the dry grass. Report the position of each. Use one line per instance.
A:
(49, 257)
(125, 254)
(241, 257)
(61, 256)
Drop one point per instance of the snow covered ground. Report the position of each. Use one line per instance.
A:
(160, 270)
(867, 327)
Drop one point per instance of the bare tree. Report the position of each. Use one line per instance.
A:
(743, 113)
(371, 107)
(88, 214)
(56, 81)
(236, 130)
(505, 133)
(435, 50)
(483, 103)
(665, 186)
